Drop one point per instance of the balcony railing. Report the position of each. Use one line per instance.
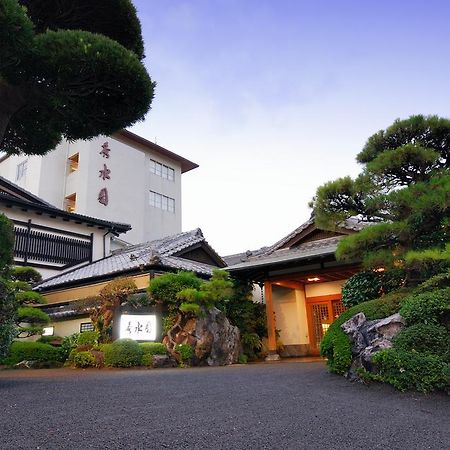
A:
(49, 247)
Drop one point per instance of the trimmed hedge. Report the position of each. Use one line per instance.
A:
(411, 370)
(88, 338)
(426, 307)
(424, 338)
(123, 353)
(31, 351)
(153, 348)
(84, 359)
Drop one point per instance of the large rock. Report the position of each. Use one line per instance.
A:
(215, 341)
(369, 337)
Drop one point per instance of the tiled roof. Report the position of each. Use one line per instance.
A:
(159, 253)
(276, 253)
(13, 194)
(303, 251)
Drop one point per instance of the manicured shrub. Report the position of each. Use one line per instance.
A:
(185, 351)
(50, 339)
(32, 315)
(31, 351)
(123, 353)
(426, 307)
(243, 359)
(411, 370)
(68, 344)
(147, 360)
(440, 281)
(153, 348)
(88, 338)
(365, 286)
(424, 338)
(335, 345)
(84, 359)
(30, 297)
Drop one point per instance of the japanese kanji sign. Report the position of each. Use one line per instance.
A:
(104, 174)
(139, 327)
(103, 196)
(105, 150)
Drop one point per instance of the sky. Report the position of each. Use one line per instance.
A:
(274, 98)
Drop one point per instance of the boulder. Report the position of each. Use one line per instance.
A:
(163, 361)
(369, 337)
(215, 341)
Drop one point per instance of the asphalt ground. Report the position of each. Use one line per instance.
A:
(262, 406)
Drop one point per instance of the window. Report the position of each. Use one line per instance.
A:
(21, 170)
(162, 202)
(86, 326)
(162, 170)
(74, 160)
(70, 203)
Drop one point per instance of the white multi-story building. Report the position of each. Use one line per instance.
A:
(120, 178)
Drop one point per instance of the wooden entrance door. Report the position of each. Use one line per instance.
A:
(322, 311)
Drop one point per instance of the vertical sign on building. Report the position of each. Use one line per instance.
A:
(104, 174)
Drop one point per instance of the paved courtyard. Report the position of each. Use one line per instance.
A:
(263, 406)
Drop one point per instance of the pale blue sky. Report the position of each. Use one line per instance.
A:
(273, 98)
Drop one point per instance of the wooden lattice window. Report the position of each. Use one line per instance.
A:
(338, 308)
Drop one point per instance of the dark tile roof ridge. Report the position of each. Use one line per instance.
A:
(287, 238)
(26, 193)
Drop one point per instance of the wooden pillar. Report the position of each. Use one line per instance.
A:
(272, 338)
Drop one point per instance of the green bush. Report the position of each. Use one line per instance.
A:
(147, 360)
(49, 339)
(68, 344)
(411, 370)
(440, 281)
(27, 274)
(88, 338)
(185, 351)
(29, 314)
(84, 359)
(31, 351)
(424, 338)
(31, 297)
(365, 286)
(123, 353)
(335, 345)
(426, 307)
(153, 348)
(243, 359)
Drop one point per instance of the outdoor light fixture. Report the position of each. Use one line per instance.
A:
(314, 279)
(48, 331)
(379, 269)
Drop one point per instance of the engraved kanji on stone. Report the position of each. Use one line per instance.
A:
(105, 150)
(105, 173)
(103, 196)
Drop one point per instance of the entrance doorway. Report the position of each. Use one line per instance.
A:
(322, 311)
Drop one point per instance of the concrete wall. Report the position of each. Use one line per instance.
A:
(128, 187)
(68, 327)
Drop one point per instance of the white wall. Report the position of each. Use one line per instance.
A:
(286, 316)
(129, 186)
(58, 223)
(328, 288)
(68, 327)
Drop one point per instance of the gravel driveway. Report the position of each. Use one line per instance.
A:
(262, 406)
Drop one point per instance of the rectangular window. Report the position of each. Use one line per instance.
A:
(70, 203)
(74, 161)
(163, 171)
(171, 205)
(86, 326)
(21, 170)
(162, 202)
